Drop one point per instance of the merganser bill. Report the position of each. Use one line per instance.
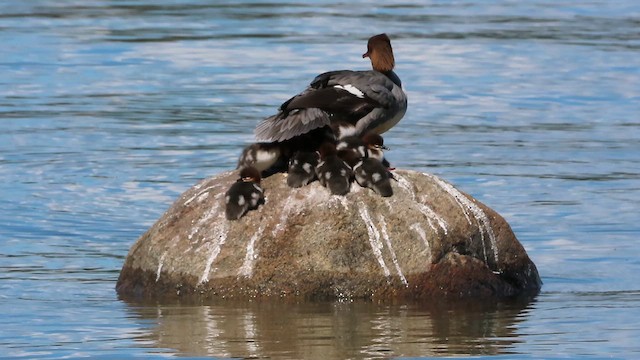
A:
(244, 195)
(332, 172)
(349, 102)
(302, 168)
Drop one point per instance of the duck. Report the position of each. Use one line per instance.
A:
(261, 155)
(354, 144)
(333, 173)
(374, 146)
(273, 157)
(348, 102)
(245, 194)
(372, 174)
(302, 168)
(369, 145)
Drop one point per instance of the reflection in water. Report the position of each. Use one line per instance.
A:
(334, 330)
(112, 108)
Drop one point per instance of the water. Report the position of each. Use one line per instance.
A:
(110, 109)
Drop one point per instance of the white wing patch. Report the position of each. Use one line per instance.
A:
(352, 89)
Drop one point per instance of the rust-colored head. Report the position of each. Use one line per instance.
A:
(249, 173)
(380, 53)
(374, 140)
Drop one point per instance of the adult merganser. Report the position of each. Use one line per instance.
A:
(244, 195)
(372, 174)
(333, 173)
(350, 102)
(302, 168)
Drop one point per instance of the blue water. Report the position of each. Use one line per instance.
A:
(109, 109)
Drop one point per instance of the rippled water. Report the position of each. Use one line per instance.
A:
(110, 109)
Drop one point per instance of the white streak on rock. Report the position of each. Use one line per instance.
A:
(394, 258)
(205, 191)
(454, 193)
(433, 227)
(290, 205)
(405, 184)
(420, 231)
(206, 218)
(430, 214)
(426, 210)
(481, 218)
(374, 239)
(160, 264)
(215, 243)
(250, 257)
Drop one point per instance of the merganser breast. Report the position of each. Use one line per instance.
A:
(349, 102)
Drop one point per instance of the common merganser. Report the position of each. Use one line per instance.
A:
(350, 102)
(372, 174)
(302, 168)
(244, 195)
(333, 173)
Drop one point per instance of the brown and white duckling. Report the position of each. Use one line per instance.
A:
(245, 194)
(302, 168)
(370, 173)
(333, 173)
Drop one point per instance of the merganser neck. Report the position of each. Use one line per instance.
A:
(393, 77)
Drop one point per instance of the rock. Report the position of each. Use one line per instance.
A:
(427, 240)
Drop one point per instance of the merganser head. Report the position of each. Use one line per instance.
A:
(250, 174)
(374, 140)
(380, 53)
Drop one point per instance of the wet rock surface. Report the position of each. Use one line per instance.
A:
(427, 240)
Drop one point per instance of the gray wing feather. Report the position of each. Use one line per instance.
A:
(279, 128)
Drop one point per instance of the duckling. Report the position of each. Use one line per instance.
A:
(245, 194)
(370, 172)
(333, 173)
(302, 168)
(374, 147)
